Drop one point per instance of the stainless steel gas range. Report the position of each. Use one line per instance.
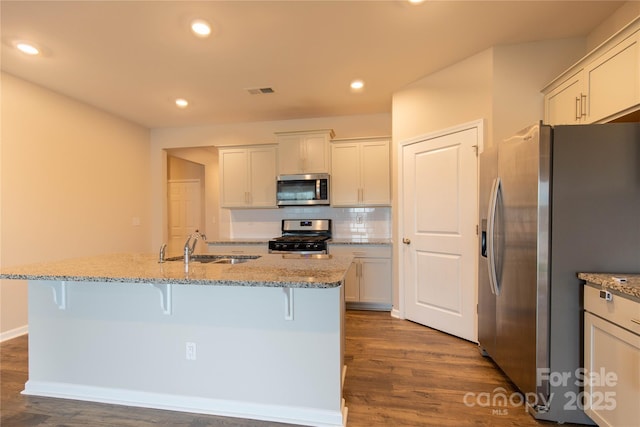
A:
(302, 236)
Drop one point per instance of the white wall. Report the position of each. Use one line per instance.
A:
(254, 222)
(73, 181)
(500, 85)
(519, 73)
(457, 94)
(619, 19)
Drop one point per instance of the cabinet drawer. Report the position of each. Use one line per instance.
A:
(361, 251)
(619, 310)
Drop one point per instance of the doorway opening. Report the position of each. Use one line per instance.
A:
(185, 200)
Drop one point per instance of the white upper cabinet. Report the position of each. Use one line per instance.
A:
(613, 80)
(360, 172)
(602, 86)
(304, 152)
(566, 103)
(248, 177)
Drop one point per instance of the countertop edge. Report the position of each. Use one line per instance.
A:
(629, 289)
(171, 281)
(347, 241)
(333, 241)
(267, 270)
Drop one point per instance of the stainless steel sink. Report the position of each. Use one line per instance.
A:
(216, 259)
(231, 260)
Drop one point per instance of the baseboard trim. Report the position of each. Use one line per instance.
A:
(395, 313)
(14, 333)
(372, 306)
(192, 404)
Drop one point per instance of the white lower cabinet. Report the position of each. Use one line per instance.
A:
(368, 281)
(611, 359)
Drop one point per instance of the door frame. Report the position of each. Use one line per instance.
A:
(476, 124)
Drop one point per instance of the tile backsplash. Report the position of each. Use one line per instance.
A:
(363, 222)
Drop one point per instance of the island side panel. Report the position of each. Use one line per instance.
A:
(113, 342)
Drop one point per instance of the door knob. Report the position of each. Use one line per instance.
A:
(406, 241)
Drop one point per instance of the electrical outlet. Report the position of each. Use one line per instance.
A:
(359, 219)
(190, 351)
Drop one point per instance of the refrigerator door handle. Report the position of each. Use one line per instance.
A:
(491, 222)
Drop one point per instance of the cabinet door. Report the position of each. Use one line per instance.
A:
(262, 177)
(315, 154)
(375, 174)
(614, 80)
(352, 284)
(289, 154)
(566, 104)
(233, 178)
(612, 354)
(345, 174)
(375, 280)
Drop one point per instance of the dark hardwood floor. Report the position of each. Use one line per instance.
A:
(398, 374)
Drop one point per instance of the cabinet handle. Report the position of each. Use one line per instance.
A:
(606, 295)
(578, 107)
(583, 105)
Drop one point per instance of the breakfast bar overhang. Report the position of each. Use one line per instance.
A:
(262, 339)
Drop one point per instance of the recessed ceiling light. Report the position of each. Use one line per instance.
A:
(416, 1)
(182, 103)
(200, 28)
(26, 47)
(357, 85)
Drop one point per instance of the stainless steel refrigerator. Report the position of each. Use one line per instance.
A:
(554, 201)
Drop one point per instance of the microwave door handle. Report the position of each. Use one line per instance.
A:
(317, 189)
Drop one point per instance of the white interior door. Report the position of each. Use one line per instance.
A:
(439, 217)
(185, 211)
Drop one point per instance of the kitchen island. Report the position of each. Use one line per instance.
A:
(262, 339)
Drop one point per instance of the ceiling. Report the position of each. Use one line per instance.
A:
(134, 58)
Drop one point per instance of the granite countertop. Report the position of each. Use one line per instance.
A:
(359, 241)
(244, 241)
(335, 241)
(270, 270)
(630, 288)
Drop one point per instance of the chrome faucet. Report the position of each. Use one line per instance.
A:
(188, 251)
(163, 248)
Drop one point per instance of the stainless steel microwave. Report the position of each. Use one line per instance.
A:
(303, 190)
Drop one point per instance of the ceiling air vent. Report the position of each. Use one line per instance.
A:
(260, 90)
